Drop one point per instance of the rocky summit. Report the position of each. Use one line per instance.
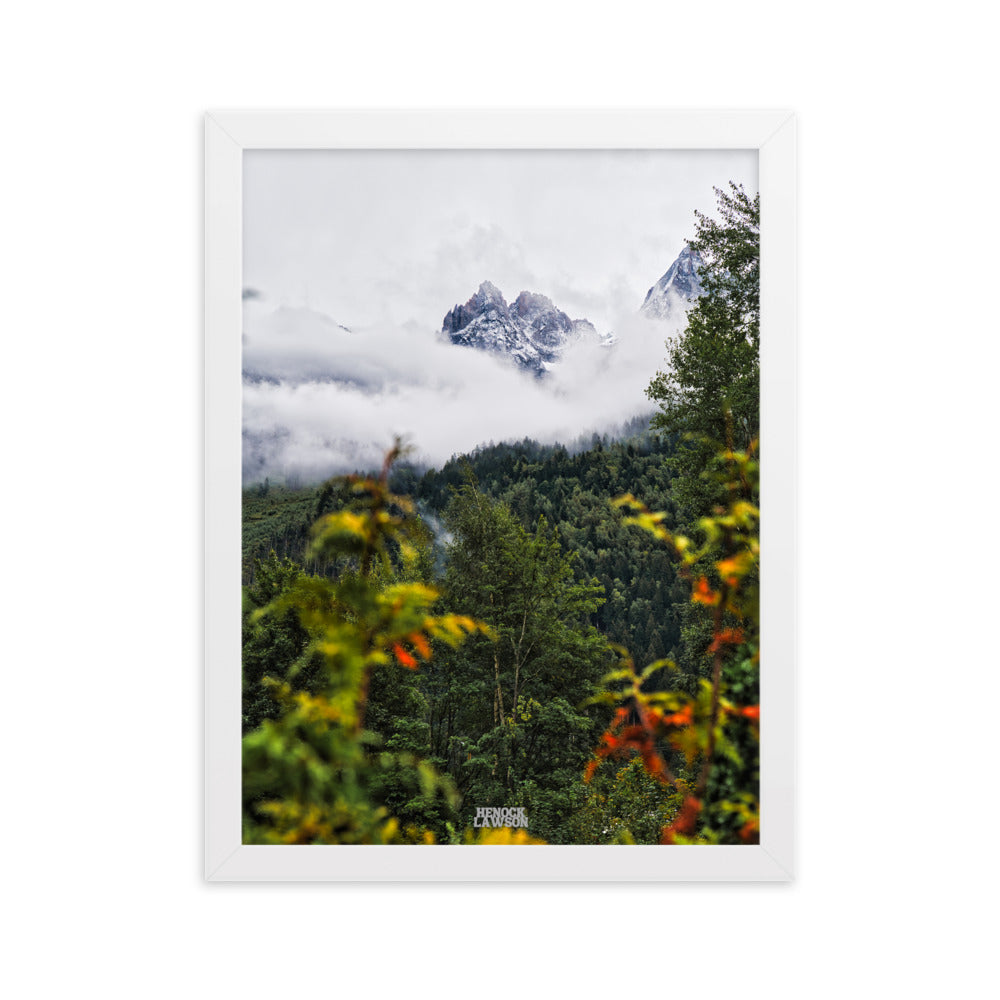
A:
(530, 330)
(677, 289)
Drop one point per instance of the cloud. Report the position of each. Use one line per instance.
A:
(424, 286)
(322, 400)
(387, 241)
(387, 236)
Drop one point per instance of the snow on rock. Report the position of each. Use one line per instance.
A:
(677, 289)
(530, 330)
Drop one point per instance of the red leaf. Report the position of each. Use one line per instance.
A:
(703, 593)
(403, 656)
(682, 718)
(684, 822)
(732, 636)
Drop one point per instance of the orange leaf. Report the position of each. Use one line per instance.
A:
(403, 656)
(703, 593)
(682, 718)
(729, 570)
(653, 762)
(751, 711)
(422, 646)
(684, 822)
(733, 636)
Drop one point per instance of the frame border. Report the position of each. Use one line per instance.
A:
(227, 134)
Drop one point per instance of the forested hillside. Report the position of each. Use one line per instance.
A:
(569, 491)
(567, 635)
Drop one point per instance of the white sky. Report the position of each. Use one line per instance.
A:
(374, 237)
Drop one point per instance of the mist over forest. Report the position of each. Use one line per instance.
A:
(319, 399)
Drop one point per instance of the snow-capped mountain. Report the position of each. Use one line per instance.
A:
(530, 330)
(677, 289)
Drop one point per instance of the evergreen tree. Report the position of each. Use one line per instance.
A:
(710, 390)
(275, 646)
(506, 721)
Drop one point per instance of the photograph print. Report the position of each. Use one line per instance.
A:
(500, 502)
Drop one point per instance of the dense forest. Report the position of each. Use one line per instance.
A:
(564, 635)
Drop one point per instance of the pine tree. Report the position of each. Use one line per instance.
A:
(710, 390)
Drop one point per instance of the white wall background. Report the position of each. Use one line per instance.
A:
(100, 224)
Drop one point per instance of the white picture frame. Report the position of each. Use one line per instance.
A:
(227, 135)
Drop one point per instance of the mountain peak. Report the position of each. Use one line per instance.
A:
(488, 297)
(531, 302)
(531, 330)
(677, 288)
(490, 293)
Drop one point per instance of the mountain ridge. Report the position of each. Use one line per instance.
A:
(535, 334)
(531, 330)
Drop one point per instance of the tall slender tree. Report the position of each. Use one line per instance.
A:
(709, 390)
(505, 708)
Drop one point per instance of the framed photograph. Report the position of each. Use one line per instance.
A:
(500, 496)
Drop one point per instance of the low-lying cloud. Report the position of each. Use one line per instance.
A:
(319, 399)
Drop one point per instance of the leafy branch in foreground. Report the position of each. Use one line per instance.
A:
(313, 775)
(715, 731)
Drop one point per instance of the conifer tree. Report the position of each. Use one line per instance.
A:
(709, 391)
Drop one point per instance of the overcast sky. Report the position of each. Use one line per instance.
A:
(385, 243)
(394, 236)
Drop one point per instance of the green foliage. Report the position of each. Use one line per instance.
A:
(627, 805)
(710, 390)
(275, 646)
(716, 729)
(571, 491)
(276, 520)
(503, 717)
(314, 774)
